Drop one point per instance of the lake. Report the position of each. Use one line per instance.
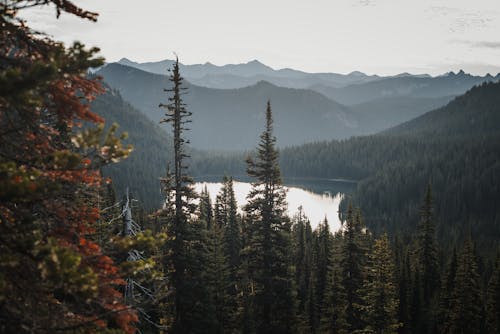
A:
(318, 197)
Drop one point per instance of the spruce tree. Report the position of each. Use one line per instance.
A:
(218, 283)
(493, 300)
(268, 249)
(466, 308)
(427, 249)
(446, 292)
(427, 255)
(322, 265)
(333, 310)
(205, 208)
(352, 264)
(302, 242)
(381, 300)
(178, 229)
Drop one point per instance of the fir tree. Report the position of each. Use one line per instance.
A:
(466, 308)
(322, 265)
(352, 264)
(205, 208)
(179, 231)
(427, 255)
(427, 249)
(381, 301)
(302, 236)
(493, 300)
(268, 249)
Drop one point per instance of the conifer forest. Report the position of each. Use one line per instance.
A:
(109, 224)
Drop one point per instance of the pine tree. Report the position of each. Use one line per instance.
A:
(180, 233)
(205, 208)
(232, 247)
(404, 314)
(427, 249)
(322, 265)
(446, 292)
(427, 255)
(268, 249)
(302, 237)
(352, 264)
(381, 300)
(466, 309)
(218, 282)
(493, 300)
(333, 319)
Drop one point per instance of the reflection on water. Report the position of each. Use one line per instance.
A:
(318, 198)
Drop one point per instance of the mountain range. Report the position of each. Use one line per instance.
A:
(302, 115)
(246, 74)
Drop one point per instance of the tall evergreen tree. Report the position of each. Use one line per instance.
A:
(179, 230)
(333, 319)
(427, 255)
(404, 314)
(322, 265)
(446, 292)
(381, 301)
(268, 249)
(352, 264)
(205, 208)
(229, 228)
(493, 300)
(466, 309)
(302, 244)
(427, 249)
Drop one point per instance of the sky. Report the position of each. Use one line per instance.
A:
(382, 37)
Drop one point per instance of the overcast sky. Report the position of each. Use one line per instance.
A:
(373, 36)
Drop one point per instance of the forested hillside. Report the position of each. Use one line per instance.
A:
(147, 161)
(455, 148)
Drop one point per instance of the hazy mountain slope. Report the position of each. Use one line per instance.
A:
(152, 147)
(380, 114)
(474, 114)
(246, 74)
(220, 116)
(447, 85)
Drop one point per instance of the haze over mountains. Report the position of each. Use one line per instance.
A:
(371, 104)
(241, 75)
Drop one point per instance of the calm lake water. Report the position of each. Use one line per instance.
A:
(318, 197)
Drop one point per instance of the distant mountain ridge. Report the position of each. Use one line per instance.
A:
(221, 115)
(451, 84)
(302, 115)
(246, 74)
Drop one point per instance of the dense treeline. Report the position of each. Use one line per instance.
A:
(455, 148)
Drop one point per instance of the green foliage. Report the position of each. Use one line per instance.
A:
(381, 300)
(268, 247)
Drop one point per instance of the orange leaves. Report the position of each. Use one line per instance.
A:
(125, 320)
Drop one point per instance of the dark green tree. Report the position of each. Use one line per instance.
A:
(466, 308)
(352, 265)
(179, 232)
(322, 265)
(493, 300)
(303, 262)
(269, 244)
(205, 208)
(381, 302)
(427, 256)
